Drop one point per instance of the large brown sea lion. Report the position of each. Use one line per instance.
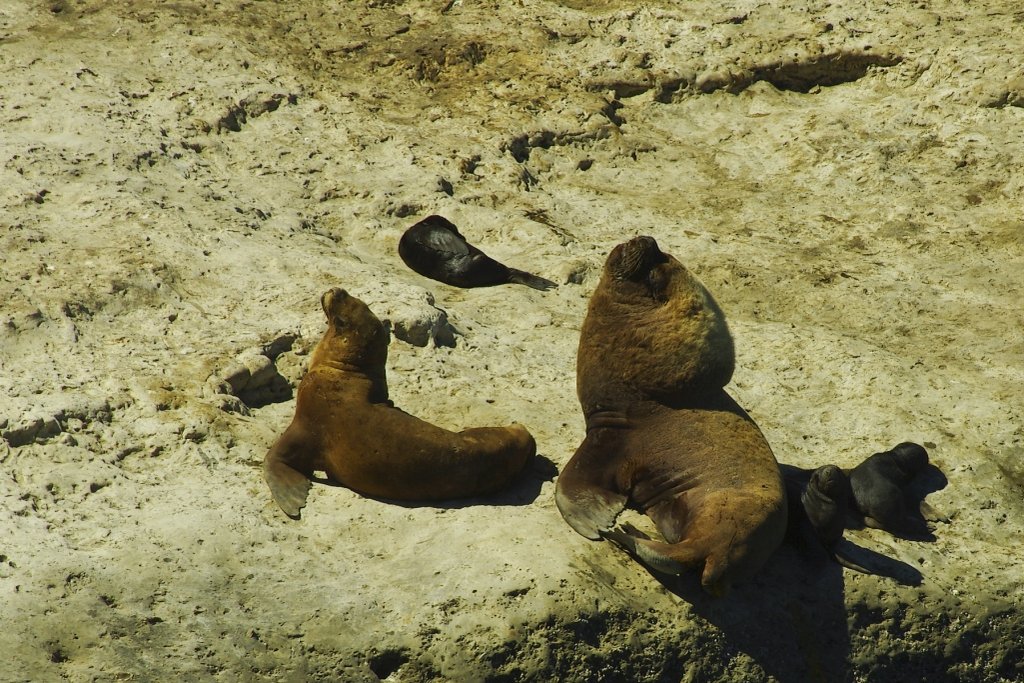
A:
(435, 248)
(662, 433)
(345, 425)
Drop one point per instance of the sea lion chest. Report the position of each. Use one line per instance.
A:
(337, 410)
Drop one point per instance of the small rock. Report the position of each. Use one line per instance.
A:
(30, 429)
(261, 370)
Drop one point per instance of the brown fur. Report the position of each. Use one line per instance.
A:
(345, 425)
(662, 433)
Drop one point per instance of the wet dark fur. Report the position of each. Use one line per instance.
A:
(434, 248)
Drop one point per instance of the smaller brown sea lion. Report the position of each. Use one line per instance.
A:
(879, 490)
(434, 248)
(662, 434)
(345, 425)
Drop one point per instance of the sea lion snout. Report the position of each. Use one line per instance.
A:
(332, 297)
(831, 481)
(631, 260)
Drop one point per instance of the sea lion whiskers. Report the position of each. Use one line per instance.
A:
(633, 259)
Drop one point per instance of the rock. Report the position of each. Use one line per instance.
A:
(414, 318)
(29, 429)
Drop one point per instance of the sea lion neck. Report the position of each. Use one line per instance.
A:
(370, 383)
(627, 413)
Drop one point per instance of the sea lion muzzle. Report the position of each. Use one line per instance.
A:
(633, 259)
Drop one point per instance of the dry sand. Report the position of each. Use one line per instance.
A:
(181, 181)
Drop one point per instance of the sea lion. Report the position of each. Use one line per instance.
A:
(824, 500)
(662, 434)
(434, 248)
(818, 504)
(345, 425)
(879, 490)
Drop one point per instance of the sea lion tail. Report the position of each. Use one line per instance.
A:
(520, 277)
(288, 486)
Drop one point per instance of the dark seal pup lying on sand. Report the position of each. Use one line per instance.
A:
(434, 248)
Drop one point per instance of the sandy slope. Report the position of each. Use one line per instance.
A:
(181, 181)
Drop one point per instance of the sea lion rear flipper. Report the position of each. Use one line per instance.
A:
(522, 278)
(288, 486)
(653, 554)
(588, 509)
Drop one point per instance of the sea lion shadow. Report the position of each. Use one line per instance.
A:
(523, 490)
(791, 618)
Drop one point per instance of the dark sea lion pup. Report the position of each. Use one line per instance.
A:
(879, 490)
(345, 425)
(824, 500)
(434, 248)
(818, 504)
(662, 433)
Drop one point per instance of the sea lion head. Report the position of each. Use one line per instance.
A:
(355, 336)
(652, 330)
(832, 482)
(825, 501)
(910, 457)
(635, 259)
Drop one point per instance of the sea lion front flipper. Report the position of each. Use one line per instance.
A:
(583, 492)
(873, 523)
(523, 278)
(844, 560)
(931, 514)
(857, 558)
(449, 242)
(288, 486)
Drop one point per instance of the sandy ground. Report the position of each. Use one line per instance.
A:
(181, 181)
